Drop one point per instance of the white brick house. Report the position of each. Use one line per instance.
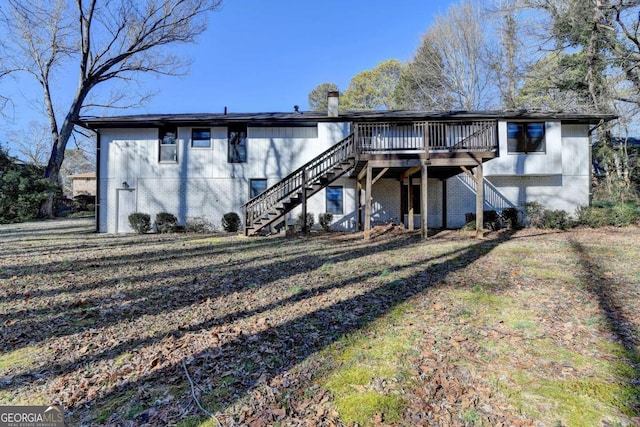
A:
(204, 165)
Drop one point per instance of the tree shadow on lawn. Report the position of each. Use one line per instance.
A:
(225, 322)
(44, 229)
(282, 346)
(164, 291)
(598, 283)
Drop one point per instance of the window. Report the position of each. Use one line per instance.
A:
(237, 144)
(168, 136)
(256, 186)
(525, 138)
(201, 138)
(334, 200)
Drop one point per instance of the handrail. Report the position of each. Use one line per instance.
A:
(417, 136)
(292, 184)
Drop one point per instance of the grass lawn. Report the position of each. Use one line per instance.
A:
(532, 327)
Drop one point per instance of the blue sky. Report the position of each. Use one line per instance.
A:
(259, 56)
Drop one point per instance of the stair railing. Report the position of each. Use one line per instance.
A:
(293, 184)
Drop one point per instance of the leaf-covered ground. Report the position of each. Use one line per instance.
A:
(524, 328)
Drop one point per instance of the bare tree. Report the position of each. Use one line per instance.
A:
(512, 54)
(106, 41)
(458, 43)
(32, 143)
(4, 71)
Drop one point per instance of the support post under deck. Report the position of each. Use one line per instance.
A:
(367, 202)
(424, 198)
(479, 201)
(358, 205)
(304, 202)
(410, 200)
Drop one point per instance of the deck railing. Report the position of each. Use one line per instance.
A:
(423, 136)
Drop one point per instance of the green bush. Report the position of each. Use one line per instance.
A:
(231, 222)
(555, 219)
(491, 220)
(325, 220)
(604, 213)
(140, 222)
(533, 212)
(310, 221)
(22, 190)
(624, 214)
(166, 222)
(539, 217)
(198, 224)
(593, 217)
(511, 218)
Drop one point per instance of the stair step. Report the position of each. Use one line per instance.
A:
(274, 214)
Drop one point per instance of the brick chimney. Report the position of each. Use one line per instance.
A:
(333, 100)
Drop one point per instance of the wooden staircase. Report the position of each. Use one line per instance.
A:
(271, 206)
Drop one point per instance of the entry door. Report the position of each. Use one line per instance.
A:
(126, 206)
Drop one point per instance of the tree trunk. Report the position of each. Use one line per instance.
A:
(60, 140)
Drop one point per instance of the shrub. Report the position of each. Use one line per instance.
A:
(140, 222)
(198, 224)
(309, 220)
(624, 214)
(604, 213)
(539, 217)
(533, 214)
(231, 222)
(22, 190)
(555, 219)
(83, 202)
(491, 220)
(325, 220)
(166, 222)
(511, 218)
(590, 216)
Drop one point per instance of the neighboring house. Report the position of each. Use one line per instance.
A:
(83, 184)
(366, 168)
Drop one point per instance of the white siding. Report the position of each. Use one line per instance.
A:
(564, 183)
(202, 182)
(549, 163)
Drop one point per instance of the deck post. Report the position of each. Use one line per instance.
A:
(444, 203)
(304, 202)
(246, 220)
(479, 201)
(410, 202)
(367, 202)
(358, 205)
(424, 198)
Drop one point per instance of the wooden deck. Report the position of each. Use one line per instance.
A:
(425, 139)
(421, 148)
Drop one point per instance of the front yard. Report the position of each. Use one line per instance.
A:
(523, 328)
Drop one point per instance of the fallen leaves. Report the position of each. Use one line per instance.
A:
(110, 319)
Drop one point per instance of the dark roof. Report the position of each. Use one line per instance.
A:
(312, 117)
